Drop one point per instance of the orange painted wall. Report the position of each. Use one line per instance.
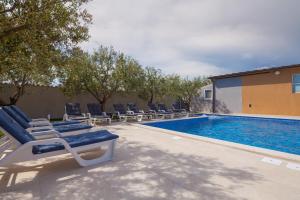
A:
(270, 94)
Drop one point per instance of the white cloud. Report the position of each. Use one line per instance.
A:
(199, 37)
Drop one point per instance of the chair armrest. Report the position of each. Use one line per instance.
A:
(39, 127)
(40, 120)
(40, 124)
(49, 141)
(141, 111)
(45, 133)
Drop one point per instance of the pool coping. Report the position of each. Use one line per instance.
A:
(244, 147)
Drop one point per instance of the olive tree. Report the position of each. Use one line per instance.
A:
(188, 89)
(35, 36)
(153, 86)
(102, 74)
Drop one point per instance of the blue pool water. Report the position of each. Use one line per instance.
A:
(275, 134)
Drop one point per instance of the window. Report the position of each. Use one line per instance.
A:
(296, 83)
(208, 94)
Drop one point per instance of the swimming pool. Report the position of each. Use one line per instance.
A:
(275, 134)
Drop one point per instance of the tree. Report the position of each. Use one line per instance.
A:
(153, 86)
(189, 88)
(35, 37)
(102, 74)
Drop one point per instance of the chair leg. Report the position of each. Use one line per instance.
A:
(107, 156)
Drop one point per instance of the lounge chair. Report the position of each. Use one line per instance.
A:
(96, 114)
(178, 107)
(45, 131)
(26, 147)
(159, 113)
(135, 109)
(40, 121)
(124, 114)
(73, 112)
(177, 113)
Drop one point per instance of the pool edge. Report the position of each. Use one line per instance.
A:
(248, 148)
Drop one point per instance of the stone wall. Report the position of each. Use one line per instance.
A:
(39, 101)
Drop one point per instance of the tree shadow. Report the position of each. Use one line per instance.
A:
(221, 107)
(138, 171)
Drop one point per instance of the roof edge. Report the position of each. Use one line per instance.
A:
(253, 72)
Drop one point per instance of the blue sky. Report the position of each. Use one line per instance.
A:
(199, 37)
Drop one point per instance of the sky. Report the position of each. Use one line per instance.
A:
(199, 37)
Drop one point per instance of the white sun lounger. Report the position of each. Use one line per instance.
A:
(26, 147)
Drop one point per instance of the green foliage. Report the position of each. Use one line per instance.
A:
(153, 85)
(106, 72)
(189, 88)
(102, 74)
(35, 36)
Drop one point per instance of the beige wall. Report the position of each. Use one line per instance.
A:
(269, 93)
(40, 101)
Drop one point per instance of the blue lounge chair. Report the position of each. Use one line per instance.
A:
(73, 112)
(44, 130)
(159, 113)
(96, 114)
(179, 109)
(26, 147)
(163, 107)
(178, 106)
(177, 113)
(135, 109)
(40, 121)
(122, 113)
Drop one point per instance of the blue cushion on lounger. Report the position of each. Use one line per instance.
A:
(94, 109)
(152, 106)
(28, 119)
(21, 113)
(72, 127)
(13, 128)
(25, 125)
(65, 128)
(16, 117)
(77, 141)
(73, 109)
(120, 108)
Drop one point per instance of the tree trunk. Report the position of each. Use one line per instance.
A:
(151, 99)
(14, 99)
(102, 103)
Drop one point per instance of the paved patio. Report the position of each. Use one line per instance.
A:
(155, 165)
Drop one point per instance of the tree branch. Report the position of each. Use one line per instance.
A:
(6, 33)
(11, 9)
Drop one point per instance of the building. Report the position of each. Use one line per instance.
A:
(274, 91)
(203, 102)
